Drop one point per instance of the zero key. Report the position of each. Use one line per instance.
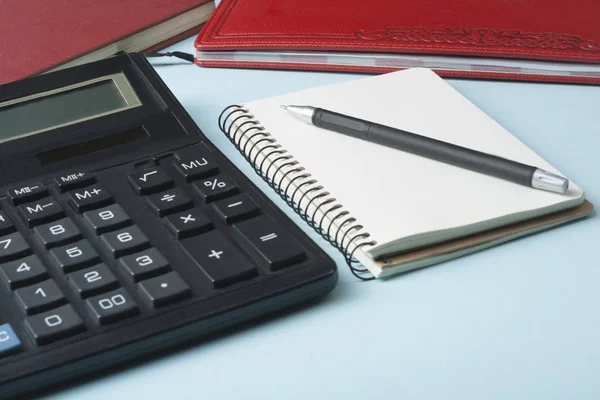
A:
(54, 324)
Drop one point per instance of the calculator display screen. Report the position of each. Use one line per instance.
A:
(65, 106)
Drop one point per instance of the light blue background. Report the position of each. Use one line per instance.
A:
(518, 321)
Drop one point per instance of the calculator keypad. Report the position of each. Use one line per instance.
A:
(82, 259)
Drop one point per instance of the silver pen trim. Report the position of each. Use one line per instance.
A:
(548, 181)
(303, 113)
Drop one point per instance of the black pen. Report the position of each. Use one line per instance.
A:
(463, 157)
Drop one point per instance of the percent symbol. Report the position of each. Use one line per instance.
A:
(214, 184)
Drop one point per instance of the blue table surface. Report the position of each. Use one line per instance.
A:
(517, 321)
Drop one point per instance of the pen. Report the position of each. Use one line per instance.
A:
(463, 157)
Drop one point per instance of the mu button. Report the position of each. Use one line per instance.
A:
(192, 164)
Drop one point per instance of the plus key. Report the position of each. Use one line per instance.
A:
(222, 263)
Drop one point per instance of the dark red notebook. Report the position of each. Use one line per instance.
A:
(551, 40)
(37, 36)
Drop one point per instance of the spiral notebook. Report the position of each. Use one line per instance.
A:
(386, 210)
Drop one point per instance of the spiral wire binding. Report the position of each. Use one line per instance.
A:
(277, 159)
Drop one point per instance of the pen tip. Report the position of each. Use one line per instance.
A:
(284, 107)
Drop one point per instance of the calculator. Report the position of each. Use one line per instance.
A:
(124, 231)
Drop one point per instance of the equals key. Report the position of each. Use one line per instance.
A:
(275, 245)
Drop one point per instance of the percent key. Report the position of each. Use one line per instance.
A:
(215, 188)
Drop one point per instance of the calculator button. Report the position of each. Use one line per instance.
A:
(9, 342)
(150, 181)
(169, 202)
(13, 246)
(236, 208)
(112, 306)
(54, 324)
(145, 264)
(192, 164)
(91, 281)
(39, 297)
(73, 180)
(27, 192)
(90, 197)
(107, 218)
(40, 212)
(74, 256)
(125, 241)
(189, 223)
(6, 225)
(216, 187)
(25, 271)
(164, 290)
(220, 261)
(57, 233)
(273, 243)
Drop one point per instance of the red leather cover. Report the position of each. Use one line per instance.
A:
(38, 35)
(556, 30)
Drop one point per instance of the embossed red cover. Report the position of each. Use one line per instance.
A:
(37, 35)
(556, 30)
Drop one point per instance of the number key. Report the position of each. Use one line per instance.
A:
(57, 233)
(40, 297)
(13, 246)
(54, 324)
(76, 255)
(94, 280)
(25, 271)
(145, 264)
(112, 306)
(125, 241)
(107, 219)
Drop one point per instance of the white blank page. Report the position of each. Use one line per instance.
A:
(404, 200)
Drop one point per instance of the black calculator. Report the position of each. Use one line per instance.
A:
(124, 231)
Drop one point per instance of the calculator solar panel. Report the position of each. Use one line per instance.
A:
(123, 230)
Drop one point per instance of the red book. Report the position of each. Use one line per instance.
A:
(37, 36)
(551, 40)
